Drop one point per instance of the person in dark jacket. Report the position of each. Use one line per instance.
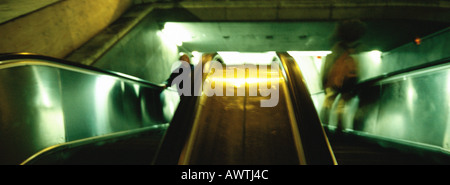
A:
(180, 77)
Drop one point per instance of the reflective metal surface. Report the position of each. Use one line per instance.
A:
(404, 107)
(44, 103)
(415, 107)
(412, 108)
(314, 141)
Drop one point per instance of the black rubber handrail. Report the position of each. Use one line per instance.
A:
(17, 57)
(177, 135)
(315, 145)
(55, 152)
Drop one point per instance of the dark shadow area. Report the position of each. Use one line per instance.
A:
(353, 150)
(138, 149)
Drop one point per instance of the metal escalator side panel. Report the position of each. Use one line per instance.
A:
(315, 144)
(46, 102)
(124, 147)
(24, 130)
(294, 127)
(23, 59)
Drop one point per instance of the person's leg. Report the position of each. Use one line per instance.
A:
(330, 96)
(341, 109)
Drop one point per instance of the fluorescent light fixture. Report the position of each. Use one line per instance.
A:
(315, 56)
(375, 56)
(375, 53)
(308, 53)
(239, 58)
(195, 53)
(197, 56)
(176, 33)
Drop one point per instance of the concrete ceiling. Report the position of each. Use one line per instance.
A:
(295, 36)
(321, 10)
(305, 25)
(280, 25)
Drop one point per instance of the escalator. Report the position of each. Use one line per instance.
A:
(130, 121)
(398, 118)
(231, 126)
(237, 130)
(73, 114)
(58, 112)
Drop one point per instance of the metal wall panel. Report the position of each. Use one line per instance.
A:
(143, 52)
(44, 104)
(416, 106)
(432, 48)
(412, 108)
(80, 101)
(100, 104)
(31, 115)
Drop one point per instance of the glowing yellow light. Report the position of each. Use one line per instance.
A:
(238, 82)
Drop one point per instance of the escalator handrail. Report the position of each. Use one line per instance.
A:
(35, 59)
(58, 149)
(178, 133)
(317, 149)
(376, 79)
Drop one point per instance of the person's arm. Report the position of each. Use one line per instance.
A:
(352, 75)
(325, 69)
(172, 76)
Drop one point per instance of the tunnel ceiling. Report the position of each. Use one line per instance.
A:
(268, 25)
(295, 36)
(281, 25)
(294, 10)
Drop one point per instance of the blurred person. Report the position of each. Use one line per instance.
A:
(340, 71)
(179, 76)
